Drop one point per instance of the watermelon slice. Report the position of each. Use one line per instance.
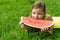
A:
(36, 23)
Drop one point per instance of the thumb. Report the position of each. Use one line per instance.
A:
(42, 29)
(20, 22)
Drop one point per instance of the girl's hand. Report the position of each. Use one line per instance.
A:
(21, 24)
(44, 29)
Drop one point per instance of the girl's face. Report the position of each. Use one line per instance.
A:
(37, 13)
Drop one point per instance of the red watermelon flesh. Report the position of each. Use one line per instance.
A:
(36, 23)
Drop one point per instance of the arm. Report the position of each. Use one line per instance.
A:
(50, 30)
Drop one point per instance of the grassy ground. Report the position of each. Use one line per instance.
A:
(12, 10)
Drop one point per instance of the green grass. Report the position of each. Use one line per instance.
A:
(12, 10)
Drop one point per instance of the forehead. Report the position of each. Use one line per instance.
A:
(37, 10)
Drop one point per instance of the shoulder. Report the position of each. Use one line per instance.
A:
(48, 17)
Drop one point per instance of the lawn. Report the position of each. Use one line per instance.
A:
(12, 10)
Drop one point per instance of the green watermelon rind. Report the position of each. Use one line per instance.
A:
(36, 26)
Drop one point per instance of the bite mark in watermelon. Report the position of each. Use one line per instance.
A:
(36, 23)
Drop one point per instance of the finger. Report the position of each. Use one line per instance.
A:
(42, 29)
(47, 28)
(22, 25)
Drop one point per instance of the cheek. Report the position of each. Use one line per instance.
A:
(32, 15)
(39, 16)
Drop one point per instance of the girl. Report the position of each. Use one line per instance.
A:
(39, 12)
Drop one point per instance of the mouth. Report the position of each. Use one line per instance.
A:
(36, 18)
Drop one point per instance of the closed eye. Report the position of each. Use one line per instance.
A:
(33, 12)
(39, 13)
